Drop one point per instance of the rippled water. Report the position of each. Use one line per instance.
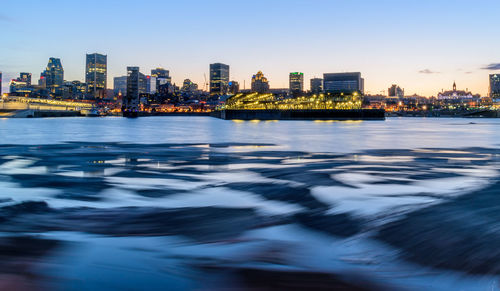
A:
(200, 203)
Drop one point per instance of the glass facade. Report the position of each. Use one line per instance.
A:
(296, 82)
(53, 77)
(316, 85)
(131, 100)
(96, 75)
(495, 86)
(219, 79)
(347, 83)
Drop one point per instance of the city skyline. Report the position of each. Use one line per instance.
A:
(423, 52)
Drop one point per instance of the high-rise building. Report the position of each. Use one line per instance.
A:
(120, 85)
(162, 77)
(25, 77)
(53, 77)
(296, 82)
(150, 85)
(96, 73)
(395, 92)
(346, 83)
(219, 79)
(130, 106)
(234, 87)
(260, 84)
(316, 85)
(0, 84)
(495, 86)
(189, 86)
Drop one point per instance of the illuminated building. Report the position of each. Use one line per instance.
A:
(455, 94)
(395, 92)
(130, 105)
(296, 83)
(150, 85)
(189, 86)
(74, 90)
(162, 77)
(346, 83)
(0, 84)
(25, 77)
(96, 75)
(219, 79)
(260, 84)
(234, 87)
(53, 77)
(120, 85)
(316, 85)
(495, 87)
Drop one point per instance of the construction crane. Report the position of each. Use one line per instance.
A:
(205, 85)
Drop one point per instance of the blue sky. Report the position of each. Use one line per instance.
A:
(421, 45)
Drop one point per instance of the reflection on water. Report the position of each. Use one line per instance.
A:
(344, 206)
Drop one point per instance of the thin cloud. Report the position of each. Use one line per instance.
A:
(4, 18)
(427, 71)
(492, 67)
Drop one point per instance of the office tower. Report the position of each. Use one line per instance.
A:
(395, 92)
(495, 86)
(130, 105)
(150, 85)
(296, 83)
(0, 84)
(53, 77)
(162, 77)
(234, 87)
(316, 85)
(219, 79)
(120, 85)
(96, 73)
(346, 83)
(260, 83)
(189, 86)
(25, 77)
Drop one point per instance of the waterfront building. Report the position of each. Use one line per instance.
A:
(130, 103)
(316, 85)
(494, 91)
(162, 77)
(346, 83)
(296, 80)
(455, 94)
(96, 75)
(53, 77)
(395, 92)
(120, 85)
(22, 85)
(74, 90)
(189, 86)
(219, 79)
(234, 87)
(25, 77)
(151, 85)
(260, 84)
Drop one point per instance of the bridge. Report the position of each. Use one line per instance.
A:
(14, 106)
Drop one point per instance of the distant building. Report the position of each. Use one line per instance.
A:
(151, 85)
(96, 73)
(495, 87)
(189, 86)
(234, 87)
(120, 85)
(296, 82)
(316, 85)
(74, 90)
(455, 94)
(395, 92)
(53, 77)
(25, 77)
(219, 79)
(260, 84)
(346, 83)
(131, 100)
(162, 77)
(0, 84)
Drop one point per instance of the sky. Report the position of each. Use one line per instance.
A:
(421, 45)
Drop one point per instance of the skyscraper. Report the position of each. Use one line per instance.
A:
(162, 77)
(395, 92)
(25, 77)
(53, 77)
(130, 105)
(219, 79)
(296, 83)
(96, 73)
(234, 87)
(260, 83)
(347, 83)
(316, 85)
(120, 85)
(0, 84)
(495, 86)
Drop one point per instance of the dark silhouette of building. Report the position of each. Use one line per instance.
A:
(219, 79)
(130, 106)
(395, 92)
(494, 86)
(316, 85)
(120, 85)
(96, 73)
(234, 87)
(346, 83)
